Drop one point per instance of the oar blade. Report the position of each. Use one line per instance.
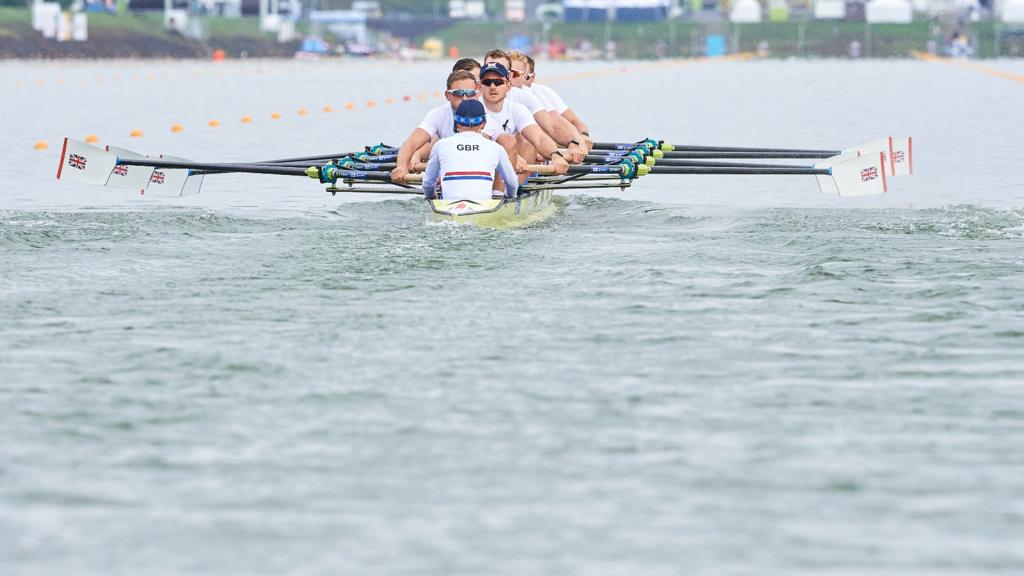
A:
(860, 176)
(902, 157)
(131, 177)
(168, 182)
(825, 182)
(85, 163)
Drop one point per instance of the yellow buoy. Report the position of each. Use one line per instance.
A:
(328, 109)
(246, 119)
(303, 111)
(136, 134)
(92, 139)
(213, 123)
(177, 127)
(275, 116)
(40, 145)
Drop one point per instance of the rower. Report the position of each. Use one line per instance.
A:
(466, 161)
(437, 124)
(554, 102)
(507, 120)
(560, 130)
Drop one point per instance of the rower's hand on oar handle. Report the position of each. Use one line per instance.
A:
(559, 163)
(577, 153)
(399, 174)
(521, 166)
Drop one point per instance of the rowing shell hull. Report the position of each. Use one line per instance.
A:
(497, 212)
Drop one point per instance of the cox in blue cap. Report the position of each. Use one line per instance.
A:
(470, 113)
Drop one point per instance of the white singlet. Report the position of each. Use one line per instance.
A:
(439, 122)
(526, 98)
(465, 164)
(512, 119)
(547, 94)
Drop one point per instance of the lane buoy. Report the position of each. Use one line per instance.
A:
(136, 134)
(275, 116)
(328, 109)
(92, 139)
(177, 127)
(246, 119)
(41, 145)
(213, 123)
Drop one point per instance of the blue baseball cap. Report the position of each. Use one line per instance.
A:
(470, 113)
(493, 67)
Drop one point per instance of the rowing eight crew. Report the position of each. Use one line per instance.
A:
(528, 120)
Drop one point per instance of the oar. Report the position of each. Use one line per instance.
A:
(656, 145)
(675, 162)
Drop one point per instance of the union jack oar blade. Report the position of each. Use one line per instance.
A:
(131, 177)
(81, 162)
(855, 176)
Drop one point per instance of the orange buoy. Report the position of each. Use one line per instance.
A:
(303, 111)
(328, 109)
(275, 116)
(136, 134)
(370, 103)
(390, 100)
(40, 145)
(92, 139)
(177, 127)
(246, 119)
(219, 55)
(213, 123)
(350, 106)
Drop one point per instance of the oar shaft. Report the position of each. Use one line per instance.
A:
(626, 146)
(197, 166)
(738, 171)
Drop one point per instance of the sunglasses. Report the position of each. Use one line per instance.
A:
(493, 82)
(463, 92)
(516, 73)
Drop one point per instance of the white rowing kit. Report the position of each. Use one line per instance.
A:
(552, 101)
(511, 119)
(464, 164)
(439, 122)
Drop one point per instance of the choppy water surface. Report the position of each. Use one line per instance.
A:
(691, 377)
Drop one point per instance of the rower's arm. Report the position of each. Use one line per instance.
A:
(430, 175)
(549, 126)
(575, 121)
(542, 142)
(414, 142)
(508, 174)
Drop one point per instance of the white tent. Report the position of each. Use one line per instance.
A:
(745, 11)
(889, 11)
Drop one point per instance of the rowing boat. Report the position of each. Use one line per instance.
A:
(529, 208)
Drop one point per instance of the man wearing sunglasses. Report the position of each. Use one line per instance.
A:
(507, 121)
(553, 125)
(438, 123)
(554, 101)
(465, 163)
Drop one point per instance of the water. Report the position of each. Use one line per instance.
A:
(697, 375)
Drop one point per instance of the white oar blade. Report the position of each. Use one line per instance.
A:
(883, 145)
(131, 177)
(168, 181)
(81, 162)
(825, 182)
(902, 157)
(861, 176)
